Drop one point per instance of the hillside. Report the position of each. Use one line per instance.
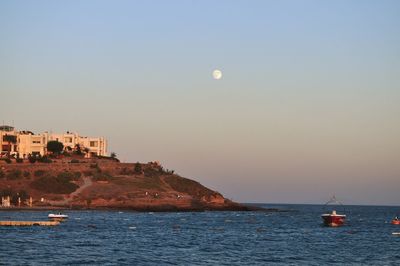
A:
(104, 183)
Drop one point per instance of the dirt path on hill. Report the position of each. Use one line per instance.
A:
(87, 182)
(162, 179)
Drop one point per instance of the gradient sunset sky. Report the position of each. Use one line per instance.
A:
(308, 106)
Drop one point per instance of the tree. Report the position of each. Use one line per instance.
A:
(138, 168)
(113, 155)
(78, 149)
(32, 159)
(55, 146)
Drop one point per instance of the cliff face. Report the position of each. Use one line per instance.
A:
(102, 183)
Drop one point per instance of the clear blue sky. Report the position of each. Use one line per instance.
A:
(308, 106)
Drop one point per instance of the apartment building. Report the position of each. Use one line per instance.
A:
(24, 143)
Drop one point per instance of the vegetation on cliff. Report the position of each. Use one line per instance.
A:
(188, 186)
(60, 184)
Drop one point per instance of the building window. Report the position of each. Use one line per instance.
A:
(68, 140)
(36, 141)
(6, 147)
(10, 138)
(93, 143)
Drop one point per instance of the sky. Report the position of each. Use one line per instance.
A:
(308, 105)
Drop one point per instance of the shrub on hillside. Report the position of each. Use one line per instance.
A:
(67, 154)
(87, 173)
(95, 166)
(7, 160)
(6, 192)
(2, 174)
(188, 186)
(152, 172)
(19, 160)
(102, 177)
(14, 174)
(126, 171)
(69, 176)
(66, 176)
(39, 173)
(74, 161)
(138, 168)
(108, 158)
(27, 174)
(32, 159)
(55, 185)
(44, 159)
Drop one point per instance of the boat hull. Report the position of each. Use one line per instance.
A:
(58, 217)
(333, 220)
(396, 222)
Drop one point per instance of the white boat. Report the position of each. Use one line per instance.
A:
(57, 216)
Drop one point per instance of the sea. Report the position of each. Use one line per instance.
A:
(293, 236)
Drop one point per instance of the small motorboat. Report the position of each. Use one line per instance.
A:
(58, 216)
(396, 221)
(333, 219)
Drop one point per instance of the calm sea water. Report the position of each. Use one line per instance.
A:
(214, 238)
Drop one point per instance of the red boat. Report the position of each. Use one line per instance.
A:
(396, 221)
(333, 219)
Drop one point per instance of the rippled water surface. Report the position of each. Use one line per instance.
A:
(215, 238)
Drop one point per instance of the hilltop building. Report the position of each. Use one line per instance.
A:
(26, 143)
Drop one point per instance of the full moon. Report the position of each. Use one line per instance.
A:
(217, 74)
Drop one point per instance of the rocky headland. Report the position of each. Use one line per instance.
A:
(105, 183)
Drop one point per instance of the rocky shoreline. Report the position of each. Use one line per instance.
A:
(161, 208)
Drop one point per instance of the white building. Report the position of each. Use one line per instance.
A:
(28, 143)
(25, 142)
(95, 145)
